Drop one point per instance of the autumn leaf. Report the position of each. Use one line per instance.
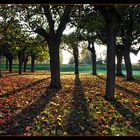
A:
(78, 105)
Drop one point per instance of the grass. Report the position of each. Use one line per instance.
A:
(84, 68)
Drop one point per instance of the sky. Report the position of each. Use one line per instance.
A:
(99, 51)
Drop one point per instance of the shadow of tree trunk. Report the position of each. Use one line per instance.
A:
(136, 81)
(125, 112)
(21, 120)
(79, 122)
(133, 93)
(22, 88)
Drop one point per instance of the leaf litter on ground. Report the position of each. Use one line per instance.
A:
(27, 108)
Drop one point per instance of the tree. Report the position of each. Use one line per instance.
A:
(57, 18)
(89, 23)
(12, 34)
(91, 48)
(17, 41)
(6, 66)
(119, 60)
(6, 15)
(119, 54)
(0, 63)
(85, 55)
(112, 20)
(72, 41)
(6, 49)
(37, 50)
(129, 33)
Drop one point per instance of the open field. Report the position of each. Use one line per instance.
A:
(29, 108)
(86, 68)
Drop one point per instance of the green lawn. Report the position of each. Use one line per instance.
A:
(101, 68)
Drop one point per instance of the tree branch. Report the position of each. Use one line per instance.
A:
(135, 51)
(68, 49)
(49, 18)
(108, 11)
(63, 21)
(42, 32)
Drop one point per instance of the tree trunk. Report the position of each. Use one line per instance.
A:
(110, 81)
(53, 39)
(93, 58)
(128, 64)
(54, 64)
(111, 28)
(6, 63)
(127, 41)
(119, 63)
(75, 54)
(112, 20)
(0, 66)
(10, 65)
(32, 63)
(25, 63)
(20, 62)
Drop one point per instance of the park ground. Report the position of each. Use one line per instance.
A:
(29, 108)
(84, 68)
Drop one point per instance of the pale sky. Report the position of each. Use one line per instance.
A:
(135, 58)
(69, 30)
(99, 50)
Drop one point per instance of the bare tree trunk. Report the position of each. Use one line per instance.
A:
(119, 63)
(76, 54)
(91, 48)
(25, 63)
(128, 64)
(24, 69)
(54, 65)
(112, 19)
(110, 81)
(32, 63)
(93, 58)
(10, 65)
(0, 66)
(6, 63)
(20, 62)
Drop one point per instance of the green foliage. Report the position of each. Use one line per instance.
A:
(37, 47)
(130, 28)
(16, 34)
(70, 43)
(85, 57)
(89, 23)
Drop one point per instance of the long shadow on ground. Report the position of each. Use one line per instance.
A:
(133, 93)
(22, 88)
(24, 118)
(136, 81)
(79, 122)
(125, 112)
(13, 74)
